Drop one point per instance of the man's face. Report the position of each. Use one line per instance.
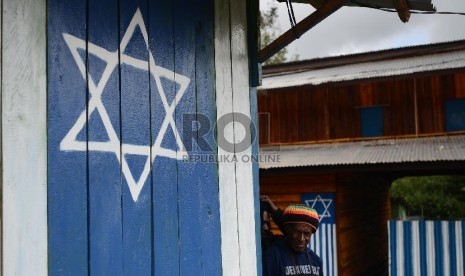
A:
(298, 236)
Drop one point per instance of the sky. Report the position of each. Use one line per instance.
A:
(357, 30)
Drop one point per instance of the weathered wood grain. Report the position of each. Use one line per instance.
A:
(24, 156)
(165, 170)
(241, 105)
(226, 170)
(67, 170)
(105, 187)
(135, 130)
(330, 112)
(207, 172)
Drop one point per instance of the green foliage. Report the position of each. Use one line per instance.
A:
(268, 33)
(432, 197)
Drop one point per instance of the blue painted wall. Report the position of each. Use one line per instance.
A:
(121, 77)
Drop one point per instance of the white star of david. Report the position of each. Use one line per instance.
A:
(70, 141)
(326, 203)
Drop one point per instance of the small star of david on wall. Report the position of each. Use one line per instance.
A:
(320, 204)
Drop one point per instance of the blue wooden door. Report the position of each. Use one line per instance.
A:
(123, 76)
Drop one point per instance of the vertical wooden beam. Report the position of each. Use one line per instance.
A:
(255, 173)
(1, 152)
(241, 107)
(226, 170)
(24, 145)
(236, 184)
(253, 29)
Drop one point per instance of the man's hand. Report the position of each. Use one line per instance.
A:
(267, 199)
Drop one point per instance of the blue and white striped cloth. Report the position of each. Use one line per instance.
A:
(426, 248)
(323, 243)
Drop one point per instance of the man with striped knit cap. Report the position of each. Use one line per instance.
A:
(294, 257)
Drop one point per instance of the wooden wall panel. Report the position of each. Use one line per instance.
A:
(121, 199)
(187, 177)
(342, 112)
(430, 101)
(312, 106)
(135, 129)
(206, 173)
(166, 257)
(459, 80)
(264, 119)
(362, 211)
(304, 110)
(313, 114)
(366, 94)
(289, 130)
(447, 86)
(67, 227)
(397, 99)
(105, 205)
(275, 118)
(327, 112)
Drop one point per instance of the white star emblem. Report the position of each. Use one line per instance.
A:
(326, 203)
(70, 142)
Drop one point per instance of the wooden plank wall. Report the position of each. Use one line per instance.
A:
(122, 199)
(326, 112)
(1, 153)
(362, 211)
(432, 93)
(24, 143)
(82, 106)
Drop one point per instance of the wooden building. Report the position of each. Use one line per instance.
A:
(350, 125)
(99, 173)
(102, 172)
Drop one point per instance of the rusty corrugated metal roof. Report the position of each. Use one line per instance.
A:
(367, 70)
(422, 149)
(378, 64)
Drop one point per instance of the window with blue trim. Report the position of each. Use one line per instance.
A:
(372, 121)
(455, 115)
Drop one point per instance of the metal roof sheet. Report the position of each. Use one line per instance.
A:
(422, 149)
(367, 70)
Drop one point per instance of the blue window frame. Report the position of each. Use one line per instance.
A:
(372, 121)
(455, 115)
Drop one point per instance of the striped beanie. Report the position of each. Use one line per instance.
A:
(301, 213)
